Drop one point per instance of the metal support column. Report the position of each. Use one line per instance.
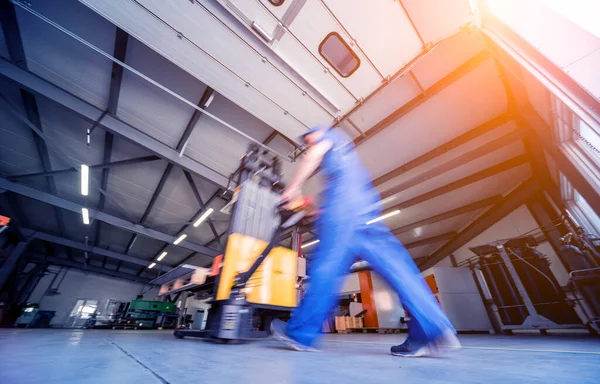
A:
(12, 260)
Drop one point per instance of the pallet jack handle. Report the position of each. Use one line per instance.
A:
(241, 279)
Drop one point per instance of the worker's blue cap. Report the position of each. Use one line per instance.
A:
(316, 128)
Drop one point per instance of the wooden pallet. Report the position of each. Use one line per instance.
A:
(370, 330)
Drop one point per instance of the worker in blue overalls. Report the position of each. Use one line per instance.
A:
(349, 202)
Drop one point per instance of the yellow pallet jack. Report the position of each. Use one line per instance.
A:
(257, 278)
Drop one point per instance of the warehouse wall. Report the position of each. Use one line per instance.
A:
(387, 303)
(80, 285)
(351, 284)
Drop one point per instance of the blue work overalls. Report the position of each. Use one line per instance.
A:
(349, 201)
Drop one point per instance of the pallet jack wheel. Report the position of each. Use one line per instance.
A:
(177, 335)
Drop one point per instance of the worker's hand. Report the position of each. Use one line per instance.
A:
(290, 194)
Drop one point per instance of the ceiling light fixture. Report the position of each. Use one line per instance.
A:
(383, 217)
(203, 217)
(86, 216)
(180, 239)
(309, 244)
(151, 265)
(85, 175)
(162, 256)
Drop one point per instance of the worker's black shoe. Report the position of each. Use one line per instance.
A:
(446, 342)
(408, 349)
(278, 329)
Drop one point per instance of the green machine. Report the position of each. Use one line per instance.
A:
(148, 314)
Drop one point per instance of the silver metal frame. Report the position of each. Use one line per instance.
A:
(534, 320)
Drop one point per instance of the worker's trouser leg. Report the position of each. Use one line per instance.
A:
(380, 248)
(330, 262)
(386, 255)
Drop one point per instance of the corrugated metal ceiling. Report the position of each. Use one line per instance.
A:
(473, 99)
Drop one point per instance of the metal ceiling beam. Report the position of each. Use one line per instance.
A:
(430, 240)
(478, 176)
(448, 146)
(429, 93)
(155, 194)
(511, 202)
(12, 33)
(109, 219)
(206, 95)
(87, 248)
(215, 239)
(194, 188)
(457, 162)
(484, 203)
(270, 138)
(208, 244)
(287, 139)
(89, 268)
(31, 110)
(157, 191)
(208, 92)
(105, 165)
(116, 80)
(423, 43)
(540, 167)
(183, 228)
(181, 145)
(108, 145)
(110, 123)
(116, 77)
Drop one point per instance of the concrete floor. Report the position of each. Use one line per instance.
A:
(107, 356)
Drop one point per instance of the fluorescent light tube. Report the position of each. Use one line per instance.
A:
(86, 216)
(180, 239)
(309, 244)
(203, 217)
(383, 217)
(85, 177)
